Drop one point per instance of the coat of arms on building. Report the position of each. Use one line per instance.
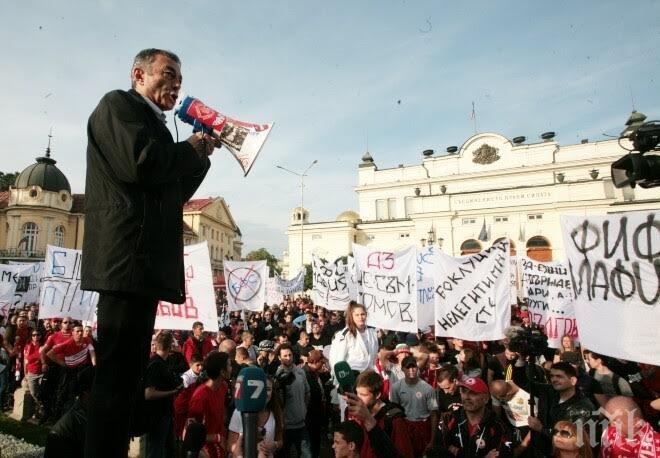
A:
(485, 154)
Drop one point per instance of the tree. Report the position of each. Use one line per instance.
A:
(309, 284)
(262, 254)
(7, 179)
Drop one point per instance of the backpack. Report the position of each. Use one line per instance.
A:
(390, 411)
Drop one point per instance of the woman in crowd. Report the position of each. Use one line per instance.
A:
(565, 441)
(567, 344)
(356, 344)
(270, 427)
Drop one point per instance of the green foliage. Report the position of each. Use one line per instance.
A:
(7, 179)
(262, 254)
(308, 277)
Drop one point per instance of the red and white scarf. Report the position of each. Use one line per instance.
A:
(645, 443)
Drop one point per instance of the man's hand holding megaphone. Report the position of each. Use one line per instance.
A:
(204, 144)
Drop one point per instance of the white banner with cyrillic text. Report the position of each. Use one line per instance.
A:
(387, 286)
(20, 283)
(200, 297)
(60, 288)
(331, 284)
(547, 288)
(614, 266)
(473, 294)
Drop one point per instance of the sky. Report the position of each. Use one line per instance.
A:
(336, 78)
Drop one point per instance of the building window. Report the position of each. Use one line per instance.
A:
(535, 216)
(470, 246)
(59, 236)
(403, 236)
(467, 221)
(501, 219)
(391, 208)
(371, 237)
(316, 236)
(29, 240)
(408, 206)
(381, 209)
(203, 230)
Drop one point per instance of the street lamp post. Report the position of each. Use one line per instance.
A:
(302, 201)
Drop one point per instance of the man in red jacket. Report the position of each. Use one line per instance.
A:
(198, 343)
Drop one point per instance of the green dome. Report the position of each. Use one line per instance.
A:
(43, 174)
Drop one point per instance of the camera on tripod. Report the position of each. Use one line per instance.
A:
(527, 341)
(638, 168)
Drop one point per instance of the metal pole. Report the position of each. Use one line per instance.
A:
(302, 220)
(302, 202)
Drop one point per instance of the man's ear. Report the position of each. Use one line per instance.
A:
(137, 75)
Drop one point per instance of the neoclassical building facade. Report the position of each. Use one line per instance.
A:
(40, 210)
(488, 188)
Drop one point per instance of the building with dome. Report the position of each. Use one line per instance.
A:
(40, 210)
(489, 188)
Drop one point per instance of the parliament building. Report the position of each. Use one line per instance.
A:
(489, 188)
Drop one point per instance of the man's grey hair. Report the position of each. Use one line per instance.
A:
(146, 57)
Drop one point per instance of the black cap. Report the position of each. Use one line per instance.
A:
(408, 361)
(412, 340)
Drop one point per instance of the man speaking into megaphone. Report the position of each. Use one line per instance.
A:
(137, 181)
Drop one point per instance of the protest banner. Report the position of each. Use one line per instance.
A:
(547, 288)
(246, 285)
(387, 286)
(331, 284)
(514, 280)
(614, 268)
(273, 295)
(426, 281)
(200, 297)
(289, 287)
(20, 283)
(60, 289)
(473, 293)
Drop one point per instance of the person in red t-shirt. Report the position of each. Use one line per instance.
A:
(73, 355)
(207, 404)
(52, 372)
(32, 367)
(198, 343)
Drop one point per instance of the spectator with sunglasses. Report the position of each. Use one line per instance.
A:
(32, 367)
(565, 442)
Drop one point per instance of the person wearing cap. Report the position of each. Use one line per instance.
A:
(473, 430)
(267, 360)
(419, 403)
(400, 352)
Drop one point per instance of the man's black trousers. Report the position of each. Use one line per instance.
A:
(125, 326)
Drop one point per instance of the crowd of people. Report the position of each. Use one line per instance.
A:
(413, 394)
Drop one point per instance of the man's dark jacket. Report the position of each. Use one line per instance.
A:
(137, 182)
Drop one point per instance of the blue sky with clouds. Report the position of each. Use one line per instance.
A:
(399, 76)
